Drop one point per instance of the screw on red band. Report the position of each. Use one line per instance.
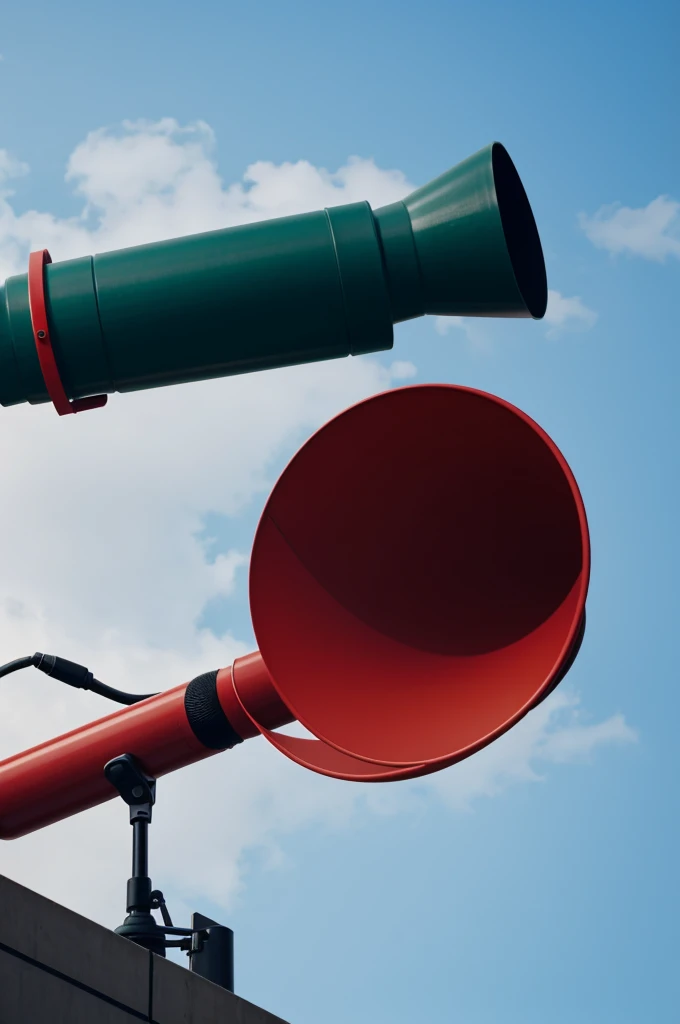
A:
(43, 343)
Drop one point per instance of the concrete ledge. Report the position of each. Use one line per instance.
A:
(180, 997)
(73, 946)
(28, 994)
(57, 967)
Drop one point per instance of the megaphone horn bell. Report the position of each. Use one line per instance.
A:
(419, 574)
(474, 246)
(417, 584)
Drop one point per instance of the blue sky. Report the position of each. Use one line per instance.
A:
(540, 886)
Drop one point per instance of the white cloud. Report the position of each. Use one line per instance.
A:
(402, 370)
(562, 314)
(567, 314)
(10, 167)
(444, 324)
(557, 731)
(105, 566)
(470, 327)
(159, 180)
(224, 570)
(651, 231)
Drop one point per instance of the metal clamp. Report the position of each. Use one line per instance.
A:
(43, 343)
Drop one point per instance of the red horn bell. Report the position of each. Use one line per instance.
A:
(417, 584)
(418, 580)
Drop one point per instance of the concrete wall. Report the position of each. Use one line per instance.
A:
(59, 968)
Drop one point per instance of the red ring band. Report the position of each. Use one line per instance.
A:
(43, 343)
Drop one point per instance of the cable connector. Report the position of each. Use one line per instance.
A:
(74, 675)
(65, 671)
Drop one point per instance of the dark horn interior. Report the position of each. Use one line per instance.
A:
(521, 233)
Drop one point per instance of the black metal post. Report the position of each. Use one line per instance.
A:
(140, 847)
(139, 792)
(210, 945)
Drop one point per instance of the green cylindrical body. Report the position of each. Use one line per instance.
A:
(295, 290)
(270, 294)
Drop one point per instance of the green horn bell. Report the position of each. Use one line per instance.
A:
(466, 244)
(280, 292)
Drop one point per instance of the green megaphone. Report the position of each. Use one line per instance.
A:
(276, 293)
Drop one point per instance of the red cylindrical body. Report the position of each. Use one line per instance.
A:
(66, 774)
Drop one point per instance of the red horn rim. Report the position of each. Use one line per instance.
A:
(362, 664)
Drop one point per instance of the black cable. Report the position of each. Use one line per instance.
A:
(118, 695)
(74, 675)
(12, 666)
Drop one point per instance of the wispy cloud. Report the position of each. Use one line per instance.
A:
(567, 314)
(563, 314)
(651, 231)
(471, 328)
(401, 369)
(556, 732)
(10, 167)
(155, 180)
(445, 324)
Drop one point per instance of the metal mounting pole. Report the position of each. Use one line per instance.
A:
(139, 792)
(210, 945)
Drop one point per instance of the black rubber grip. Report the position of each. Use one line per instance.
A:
(208, 721)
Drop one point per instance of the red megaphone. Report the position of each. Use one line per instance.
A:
(417, 584)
